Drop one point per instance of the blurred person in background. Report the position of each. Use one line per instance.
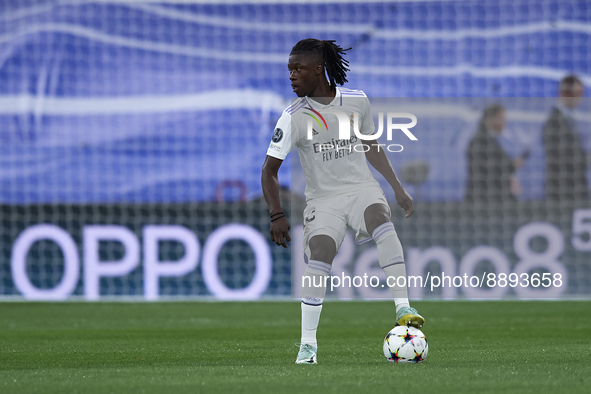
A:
(492, 172)
(566, 165)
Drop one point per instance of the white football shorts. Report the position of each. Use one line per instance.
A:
(333, 215)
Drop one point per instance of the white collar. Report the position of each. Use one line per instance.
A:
(319, 106)
(566, 111)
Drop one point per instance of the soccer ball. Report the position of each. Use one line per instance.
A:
(405, 345)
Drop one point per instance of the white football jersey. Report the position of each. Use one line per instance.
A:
(331, 165)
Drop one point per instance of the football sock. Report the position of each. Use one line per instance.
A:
(391, 259)
(310, 319)
(314, 282)
(401, 303)
(313, 292)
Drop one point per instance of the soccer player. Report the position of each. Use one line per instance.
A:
(340, 189)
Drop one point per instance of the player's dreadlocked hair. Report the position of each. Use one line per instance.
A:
(331, 54)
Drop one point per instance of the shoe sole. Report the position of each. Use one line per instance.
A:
(306, 362)
(411, 320)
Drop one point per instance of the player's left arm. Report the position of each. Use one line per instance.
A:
(377, 158)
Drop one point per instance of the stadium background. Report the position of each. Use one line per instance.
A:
(120, 116)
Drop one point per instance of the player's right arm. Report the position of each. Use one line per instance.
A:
(281, 144)
(269, 180)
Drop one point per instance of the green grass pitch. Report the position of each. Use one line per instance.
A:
(193, 347)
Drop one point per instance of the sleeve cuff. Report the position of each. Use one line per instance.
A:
(275, 154)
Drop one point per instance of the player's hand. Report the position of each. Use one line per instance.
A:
(280, 232)
(404, 200)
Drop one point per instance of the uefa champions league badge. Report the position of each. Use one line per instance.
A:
(277, 135)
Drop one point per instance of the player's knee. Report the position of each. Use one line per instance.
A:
(322, 254)
(322, 248)
(375, 215)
